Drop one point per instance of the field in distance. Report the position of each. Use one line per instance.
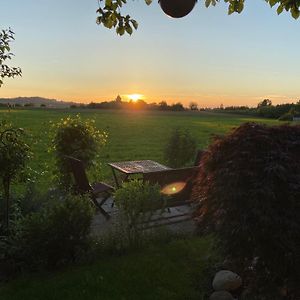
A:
(132, 135)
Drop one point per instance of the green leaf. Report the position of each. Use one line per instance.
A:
(128, 29)
(273, 2)
(295, 12)
(210, 2)
(120, 30)
(280, 9)
(135, 24)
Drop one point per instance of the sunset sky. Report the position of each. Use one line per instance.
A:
(207, 57)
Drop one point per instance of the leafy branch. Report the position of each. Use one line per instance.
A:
(110, 15)
(6, 37)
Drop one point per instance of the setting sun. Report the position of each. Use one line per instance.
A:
(135, 97)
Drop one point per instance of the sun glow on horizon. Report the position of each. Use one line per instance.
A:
(135, 97)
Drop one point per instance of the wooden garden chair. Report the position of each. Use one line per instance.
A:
(83, 186)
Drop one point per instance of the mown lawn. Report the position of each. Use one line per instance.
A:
(132, 135)
(176, 270)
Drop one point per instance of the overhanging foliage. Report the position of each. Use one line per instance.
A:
(6, 37)
(110, 14)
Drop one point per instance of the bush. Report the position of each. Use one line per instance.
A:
(53, 236)
(14, 154)
(77, 138)
(286, 117)
(180, 149)
(248, 192)
(137, 202)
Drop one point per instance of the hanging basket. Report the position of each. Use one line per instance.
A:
(177, 8)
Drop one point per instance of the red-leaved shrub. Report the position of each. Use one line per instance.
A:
(248, 194)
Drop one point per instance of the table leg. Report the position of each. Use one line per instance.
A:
(115, 177)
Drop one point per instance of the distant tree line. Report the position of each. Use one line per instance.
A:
(280, 111)
(15, 105)
(135, 105)
(266, 109)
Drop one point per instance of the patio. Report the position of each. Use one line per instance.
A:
(179, 224)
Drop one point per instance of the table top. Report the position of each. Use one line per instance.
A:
(138, 166)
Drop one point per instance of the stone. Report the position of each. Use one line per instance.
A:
(226, 281)
(221, 295)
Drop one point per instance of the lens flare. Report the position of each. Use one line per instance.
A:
(173, 188)
(135, 97)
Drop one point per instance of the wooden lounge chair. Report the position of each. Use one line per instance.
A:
(83, 186)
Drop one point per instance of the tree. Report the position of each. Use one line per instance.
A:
(6, 37)
(14, 154)
(110, 14)
(118, 99)
(247, 192)
(193, 106)
(177, 106)
(163, 105)
(265, 102)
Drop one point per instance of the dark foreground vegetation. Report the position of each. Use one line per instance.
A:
(174, 270)
(246, 197)
(248, 191)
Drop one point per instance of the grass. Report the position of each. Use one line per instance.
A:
(176, 270)
(132, 135)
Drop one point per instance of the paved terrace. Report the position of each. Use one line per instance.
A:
(179, 223)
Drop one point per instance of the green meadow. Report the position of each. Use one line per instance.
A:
(132, 135)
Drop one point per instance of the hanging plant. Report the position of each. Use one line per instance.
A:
(177, 8)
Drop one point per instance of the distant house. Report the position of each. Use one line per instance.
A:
(296, 117)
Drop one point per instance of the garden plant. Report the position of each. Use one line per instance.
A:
(14, 154)
(137, 201)
(73, 136)
(248, 192)
(180, 148)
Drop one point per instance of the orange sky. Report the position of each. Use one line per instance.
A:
(208, 57)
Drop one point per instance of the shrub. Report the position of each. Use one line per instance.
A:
(55, 235)
(248, 191)
(180, 149)
(286, 117)
(137, 202)
(77, 138)
(14, 153)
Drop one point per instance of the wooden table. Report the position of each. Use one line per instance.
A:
(136, 167)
